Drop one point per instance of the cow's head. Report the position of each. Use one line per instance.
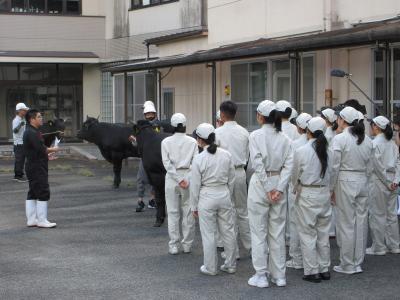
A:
(52, 129)
(87, 130)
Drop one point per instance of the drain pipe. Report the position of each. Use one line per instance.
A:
(328, 54)
(213, 92)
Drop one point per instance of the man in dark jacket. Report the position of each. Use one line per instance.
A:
(36, 169)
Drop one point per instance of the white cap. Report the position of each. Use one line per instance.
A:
(282, 105)
(381, 122)
(265, 107)
(294, 114)
(178, 118)
(218, 115)
(360, 115)
(329, 114)
(148, 107)
(315, 124)
(303, 119)
(204, 130)
(21, 106)
(349, 114)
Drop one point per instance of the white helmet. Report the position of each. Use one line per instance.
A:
(178, 118)
(149, 107)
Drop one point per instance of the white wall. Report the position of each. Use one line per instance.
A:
(91, 90)
(366, 10)
(93, 7)
(184, 46)
(153, 19)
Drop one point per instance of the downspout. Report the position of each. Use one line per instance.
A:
(328, 54)
(213, 92)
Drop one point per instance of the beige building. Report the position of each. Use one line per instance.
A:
(73, 58)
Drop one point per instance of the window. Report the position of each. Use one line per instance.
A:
(249, 87)
(53, 7)
(168, 103)
(254, 82)
(146, 3)
(308, 85)
(8, 72)
(106, 108)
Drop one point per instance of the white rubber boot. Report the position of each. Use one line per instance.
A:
(41, 208)
(30, 211)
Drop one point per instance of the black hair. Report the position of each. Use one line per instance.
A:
(293, 121)
(388, 131)
(229, 108)
(358, 129)
(274, 118)
(287, 113)
(31, 114)
(335, 125)
(321, 148)
(180, 128)
(354, 103)
(212, 148)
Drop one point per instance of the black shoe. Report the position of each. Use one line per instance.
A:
(158, 223)
(20, 179)
(220, 249)
(325, 275)
(140, 206)
(312, 278)
(152, 204)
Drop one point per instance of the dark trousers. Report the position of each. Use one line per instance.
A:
(38, 177)
(19, 160)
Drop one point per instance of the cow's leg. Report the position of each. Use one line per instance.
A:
(160, 201)
(117, 166)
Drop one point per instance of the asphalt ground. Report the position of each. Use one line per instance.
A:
(103, 249)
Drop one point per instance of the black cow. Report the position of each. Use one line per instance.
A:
(52, 129)
(113, 142)
(149, 148)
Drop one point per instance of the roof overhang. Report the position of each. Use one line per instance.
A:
(358, 36)
(177, 37)
(48, 57)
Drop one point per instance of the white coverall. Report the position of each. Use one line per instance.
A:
(211, 188)
(294, 246)
(292, 133)
(350, 171)
(329, 135)
(177, 153)
(272, 158)
(383, 218)
(313, 208)
(235, 139)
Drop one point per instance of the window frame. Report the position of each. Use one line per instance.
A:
(46, 10)
(141, 6)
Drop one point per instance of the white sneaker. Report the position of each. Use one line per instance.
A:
(204, 270)
(292, 264)
(359, 270)
(186, 250)
(258, 280)
(395, 251)
(31, 223)
(371, 251)
(339, 269)
(281, 282)
(226, 269)
(173, 250)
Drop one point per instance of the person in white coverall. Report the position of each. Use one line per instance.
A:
(330, 118)
(311, 181)
(211, 189)
(272, 158)
(177, 153)
(383, 220)
(296, 260)
(290, 130)
(235, 139)
(352, 153)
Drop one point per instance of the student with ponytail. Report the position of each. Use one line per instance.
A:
(311, 182)
(352, 153)
(211, 188)
(271, 158)
(383, 220)
(296, 259)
